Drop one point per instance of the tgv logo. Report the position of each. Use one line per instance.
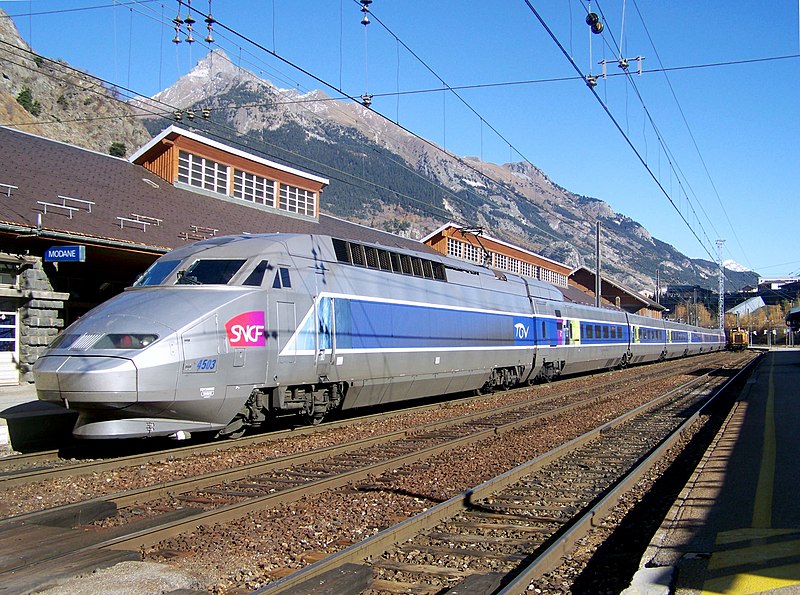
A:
(247, 330)
(520, 331)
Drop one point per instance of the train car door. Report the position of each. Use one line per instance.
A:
(575, 332)
(325, 343)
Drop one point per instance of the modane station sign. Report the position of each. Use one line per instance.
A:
(65, 254)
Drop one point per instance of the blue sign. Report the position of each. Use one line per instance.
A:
(65, 254)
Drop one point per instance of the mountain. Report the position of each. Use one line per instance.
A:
(380, 174)
(49, 98)
(383, 176)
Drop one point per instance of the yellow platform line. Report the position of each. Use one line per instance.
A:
(755, 551)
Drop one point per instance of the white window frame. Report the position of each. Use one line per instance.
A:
(298, 200)
(454, 247)
(253, 188)
(202, 172)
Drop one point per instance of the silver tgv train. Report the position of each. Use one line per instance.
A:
(231, 331)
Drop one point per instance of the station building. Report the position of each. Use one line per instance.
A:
(474, 246)
(77, 226)
(577, 286)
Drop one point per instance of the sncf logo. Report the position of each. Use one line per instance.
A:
(520, 331)
(247, 330)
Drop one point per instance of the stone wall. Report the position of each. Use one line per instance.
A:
(39, 320)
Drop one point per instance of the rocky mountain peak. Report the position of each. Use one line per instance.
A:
(381, 175)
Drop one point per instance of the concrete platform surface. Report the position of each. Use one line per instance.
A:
(736, 526)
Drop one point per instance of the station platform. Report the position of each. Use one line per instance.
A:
(736, 526)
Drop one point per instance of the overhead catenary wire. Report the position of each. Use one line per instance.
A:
(349, 178)
(681, 178)
(674, 166)
(387, 94)
(617, 125)
(691, 135)
(673, 162)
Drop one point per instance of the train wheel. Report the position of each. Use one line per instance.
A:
(311, 419)
(315, 409)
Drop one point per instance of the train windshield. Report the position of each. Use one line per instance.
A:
(210, 272)
(157, 273)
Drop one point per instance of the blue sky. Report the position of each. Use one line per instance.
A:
(713, 114)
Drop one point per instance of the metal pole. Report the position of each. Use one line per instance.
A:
(658, 286)
(721, 303)
(597, 283)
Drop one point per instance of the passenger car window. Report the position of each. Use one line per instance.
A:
(157, 273)
(257, 276)
(209, 272)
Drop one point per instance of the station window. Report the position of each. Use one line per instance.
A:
(202, 173)
(297, 200)
(8, 273)
(253, 188)
(454, 247)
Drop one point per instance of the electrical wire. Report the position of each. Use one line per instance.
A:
(303, 161)
(674, 165)
(617, 126)
(691, 135)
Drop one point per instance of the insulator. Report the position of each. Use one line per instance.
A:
(177, 38)
(178, 20)
(209, 39)
(178, 115)
(365, 20)
(366, 3)
(189, 20)
(190, 114)
(189, 38)
(592, 19)
(598, 27)
(591, 81)
(206, 113)
(366, 100)
(623, 63)
(210, 20)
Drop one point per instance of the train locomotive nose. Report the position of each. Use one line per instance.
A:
(110, 381)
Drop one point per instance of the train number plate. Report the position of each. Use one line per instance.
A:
(202, 365)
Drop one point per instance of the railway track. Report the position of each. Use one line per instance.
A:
(24, 469)
(221, 496)
(500, 536)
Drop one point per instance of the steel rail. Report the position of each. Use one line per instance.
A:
(23, 477)
(552, 557)
(184, 485)
(374, 546)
